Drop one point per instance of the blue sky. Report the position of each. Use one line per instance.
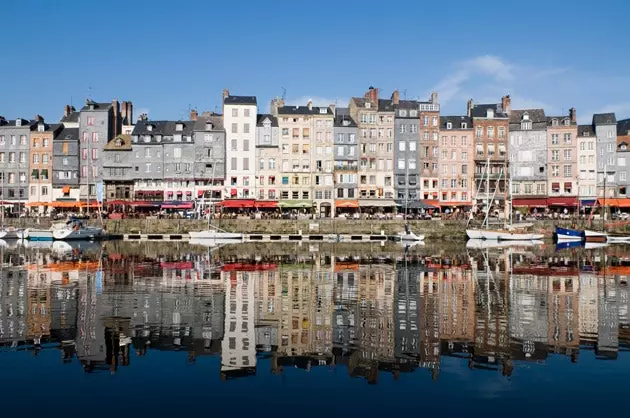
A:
(169, 56)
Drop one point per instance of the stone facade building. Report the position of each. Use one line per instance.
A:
(587, 162)
(267, 157)
(65, 171)
(623, 152)
(148, 158)
(605, 127)
(528, 156)
(563, 176)
(346, 154)
(14, 161)
(406, 146)
(456, 161)
(209, 164)
(118, 168)
(429, 130)
(179, 161)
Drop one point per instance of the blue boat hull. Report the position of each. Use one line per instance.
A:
(565, 234)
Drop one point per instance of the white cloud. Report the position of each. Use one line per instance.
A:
(492, 66)
(622, 108)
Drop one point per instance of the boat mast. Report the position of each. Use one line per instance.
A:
(604, 202)
(87, 178)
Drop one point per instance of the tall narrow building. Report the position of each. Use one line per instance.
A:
(346, 152)
(587, 164)
(605, 127)
(41, 156)
(406, 146)
(239, 118)
(267, 157)
(429, 129)
(456, 161)
(563, 178)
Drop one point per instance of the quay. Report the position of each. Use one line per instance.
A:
(261, 238)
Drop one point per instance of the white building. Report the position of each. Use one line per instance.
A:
(587, 163)
(239, 116)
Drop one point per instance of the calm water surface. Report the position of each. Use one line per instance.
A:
(129, 329)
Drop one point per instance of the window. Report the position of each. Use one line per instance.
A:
(94, 136)
(35, 158)
(490, 132)
(555, 170)
(272, 163)
(567, 155)
(234, 113)
(554, 139)
(402, 128)
(401, 145)
(44, 158)
(501, 132)
(245, 163)
(479, 132)
(621, 161)
(246, 145)
(233, 165)
(401, 164)
(567, 138)
(246, 128)
(555, 155)
(622, 176)
(84, 154)
(567, 170)
(261, 164)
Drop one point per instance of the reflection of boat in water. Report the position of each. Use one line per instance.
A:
(410, 244)
(566, 234)
(42, 245)
(69, 246)
(562, 245)
(10, 233)
(75, 230)
(214, 233)
(9, 243)
(212, 242)
(485, 243)
(408, 237)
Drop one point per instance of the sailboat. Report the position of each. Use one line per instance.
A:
(509, 232)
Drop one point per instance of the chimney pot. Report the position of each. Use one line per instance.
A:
(66, 111)
(395, 97)
(434, 97)
(506, 104)
(573, 115)
(226, 93)
(310, 105)
(193, 114)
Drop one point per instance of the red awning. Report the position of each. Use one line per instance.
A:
(562, 201)
(239, 203)
(177, 205)
(248, 267)
(170, 193)
(455, 203)
(540, 202)
(266, 204)
(118, 202)
(145, 204)
(200, 193)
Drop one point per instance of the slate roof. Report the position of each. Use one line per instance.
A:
(166, 128)
(97, 106)
(385, 105)
(479, 111)
(408, 104)
(586, 130)
(623, 126)
(67, 134)
(340, 119)
(360, 102)
(215, 120)
(604, 119)
(560, 120)
(240, 100)
(48, 127)
(339, 111)
(456, 122)
(537, 116)
(73, 117)
(261, 118)
(11, 123)
(303, 110)
(126, 143)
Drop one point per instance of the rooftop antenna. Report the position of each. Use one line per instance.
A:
(284, 93)
(90, 92)
(405, 94)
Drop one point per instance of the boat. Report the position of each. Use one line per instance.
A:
(212, 242)
(615, 239)
(75, 230)
(63, 247)
(482, 244)
(215, 233)
(562, 245)
(509, 232)
(566, 234)
(10, 232)
(33, 234)
(595, 236)
(408, 236)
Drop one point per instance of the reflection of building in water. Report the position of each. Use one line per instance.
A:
(624, 307)
(238, 349)
(63, 313)
(564, 314)
(13, 297)
(406, 302)
(38, 307)
(90, 344)
(267, 291)
(296, 301)
(529, 316)
(322, 305)
(588, 310)
(430, 320)
(345, 296)
(608, 315)
(457, 304)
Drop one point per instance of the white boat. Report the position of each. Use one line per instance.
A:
(595, 236)
(10, 233)
(211, 242)
(502, 235)
(481, 244)
(38, 234)
(214, 233)
(611, 239)
(408, 236)
(75, 230)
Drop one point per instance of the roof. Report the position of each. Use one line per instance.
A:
(73, 117)
(215, 120)
(385, 105)
(456, 122)
(407, 104)
(559, 119)
(480, 111)
(304, 110)
(97, 106)
(344, 121)
(262, 117)
(342, 111)
(165, 128)
(125, 143)
(240, 100)
(623, 127)
(604, 119)
(67, 134)
(48, 127)
(586, 130)
(536, 116)
(11, 123)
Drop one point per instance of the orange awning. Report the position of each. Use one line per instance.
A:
(65, 204)
(65, 189)
(615, 203)
(93, 204)
(29, 204)
(455, 203)
(346, 203)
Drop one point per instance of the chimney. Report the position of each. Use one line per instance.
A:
(395, 97)
(123, 113)
(275, 105)
(66, 111)
(469, 108)
(372, 95)
(193, 114)
(572, 115)
(332, 108)
(116, 107)
(310, 104)
(129, 113)
(434, 97)
(506, 104)
(226, 93)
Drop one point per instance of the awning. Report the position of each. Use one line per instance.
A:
(587, 202)
(145, 204)
(29, 204)
(295, 204)
(346, 203)
(177, 205)
(233, 192)
(200, 193)
(239, 203)
(65, 189)
(419, 204)
(65, 204)
(562, 201)
(615, 203)
(376, 203)
(455, 204)
(188, 193)
(269, 204)
(534, 202)
(117, 202)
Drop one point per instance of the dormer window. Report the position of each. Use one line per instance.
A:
(554, 122)
(179, 127)
(567, 122)
(586, 133)
(449, 125)
(146, 138)
(345, 122)
(209, 126)
(267, 124)
(158, 138)
(149, 128)
(623, 147)
(490, 113)
(368, 105)
(188, 138)
(177, 137)
(402, 113)
(413, 113)
(18, 122)
(323, 110)
(525, 116)
(526, 125)
(41, 127)
(464, 125)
